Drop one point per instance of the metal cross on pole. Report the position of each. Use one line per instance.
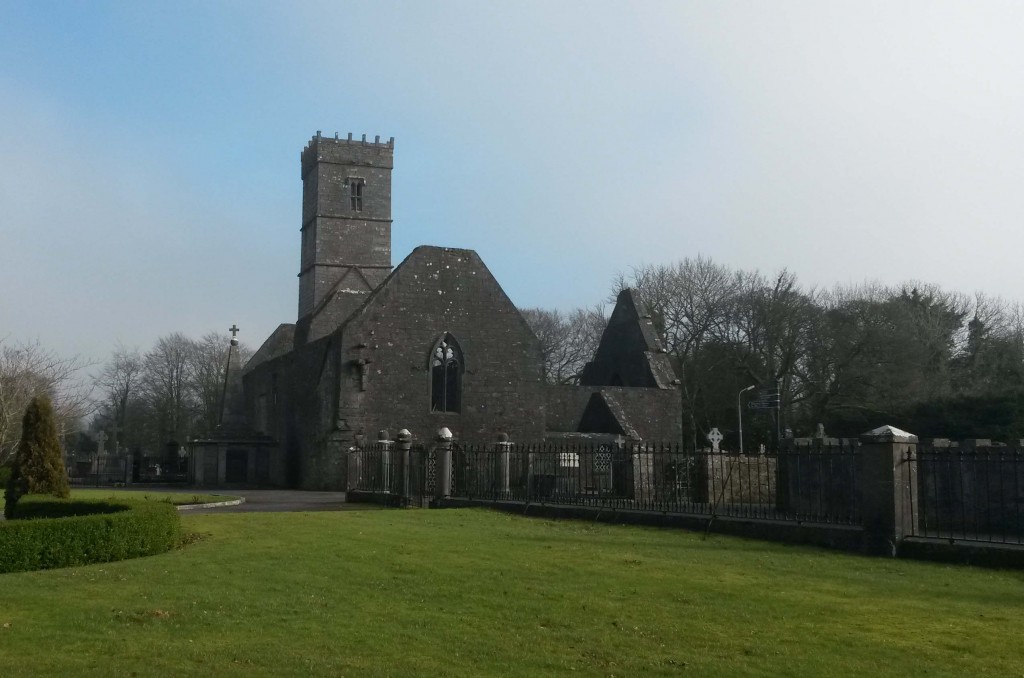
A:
(233, 330)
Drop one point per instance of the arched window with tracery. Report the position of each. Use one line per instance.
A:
(446, 365)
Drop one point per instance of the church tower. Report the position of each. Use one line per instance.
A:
(346, 229)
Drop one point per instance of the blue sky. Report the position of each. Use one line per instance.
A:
(149, 173)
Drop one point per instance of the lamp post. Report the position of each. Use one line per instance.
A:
(739, 411)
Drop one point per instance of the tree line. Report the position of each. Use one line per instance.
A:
(170, 393)
(141, 400)
(936, 362)
(932, 361)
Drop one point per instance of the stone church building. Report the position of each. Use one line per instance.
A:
(433, 342)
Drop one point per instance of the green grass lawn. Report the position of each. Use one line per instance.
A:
(476, 593)
(176, 498)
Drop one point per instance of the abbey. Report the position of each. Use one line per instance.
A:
(433, 342)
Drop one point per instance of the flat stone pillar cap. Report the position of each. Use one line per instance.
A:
(888, 434)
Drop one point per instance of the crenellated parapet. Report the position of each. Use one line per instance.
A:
(347, 151)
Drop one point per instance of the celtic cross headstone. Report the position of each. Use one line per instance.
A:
(715, 437)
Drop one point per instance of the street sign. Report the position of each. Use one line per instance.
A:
(766, 399)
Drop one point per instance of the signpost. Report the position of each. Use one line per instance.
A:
(739, 412)
(765, 399)
(769, 398)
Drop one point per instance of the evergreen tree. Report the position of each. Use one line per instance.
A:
(38, 466)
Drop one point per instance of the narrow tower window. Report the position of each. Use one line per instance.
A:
(446, 376)
(355, 193)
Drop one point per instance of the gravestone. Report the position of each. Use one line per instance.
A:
(715, 437)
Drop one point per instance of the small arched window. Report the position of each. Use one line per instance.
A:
(355, 193)
(446, 366)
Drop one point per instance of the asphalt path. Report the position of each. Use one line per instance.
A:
(284, 500)
(262, 500)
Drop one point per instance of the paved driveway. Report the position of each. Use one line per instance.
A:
(285, 500)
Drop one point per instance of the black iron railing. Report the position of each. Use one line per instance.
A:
(969, 493)
(101, 470)
(812, 483)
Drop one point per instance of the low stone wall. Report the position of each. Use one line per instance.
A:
(741, 479)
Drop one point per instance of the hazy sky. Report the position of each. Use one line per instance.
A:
(149, 152)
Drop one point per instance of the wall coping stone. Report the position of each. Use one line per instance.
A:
(888, 434)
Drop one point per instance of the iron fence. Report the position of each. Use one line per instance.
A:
(122, 469)
(100, 470)
(969, 493)
(810, 484)
(380, 469)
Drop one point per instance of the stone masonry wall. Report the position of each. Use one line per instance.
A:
(439, 290)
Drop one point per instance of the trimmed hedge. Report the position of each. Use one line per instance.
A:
(46, 506)
(47, 533)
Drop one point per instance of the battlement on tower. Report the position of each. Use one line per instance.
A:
(348, 151)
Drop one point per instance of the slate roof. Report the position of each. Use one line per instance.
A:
(279, 343)
(646, 414)
(629, 353)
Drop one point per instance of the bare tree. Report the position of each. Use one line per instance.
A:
(27, 370)
(568, 341)
(691, 304)
(171, 392)
(166, 386)
(770, 321)
(119, 382)
(207, 363)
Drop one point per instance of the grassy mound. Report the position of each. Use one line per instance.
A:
(46, 533)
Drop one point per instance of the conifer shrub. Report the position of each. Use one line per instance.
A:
(38, 465)
(46, 533)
